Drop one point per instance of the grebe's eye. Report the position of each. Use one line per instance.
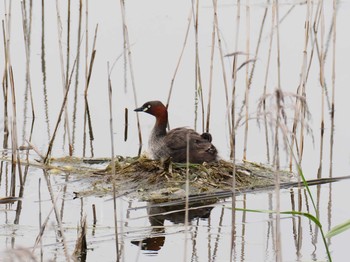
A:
(146, 108)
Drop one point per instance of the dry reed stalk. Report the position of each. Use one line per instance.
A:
(27, 25)
(276, 164)
(63, 76)
(13, 160)
(86, 38)
(8, 20)
(14, 137)
(128, 50)
(126, 121)
(326, 48)
(179, 60)
(198, 78)
(29, 44)
(64, 191)
(87, 117)
(74, 117)
(251, 74)
(187, 192)
(27, 29)
(277, 178)
(57, 214)
(113, 165)
(65, 98)
(257, 48)
(300, 202)
(92, 59)
(125, 64)
(86, 66)
(216, 23)
(323, 88)
(5, 88)
(244, 222)
(68, 41)
(66, 118)
(303, 91)
(64, 103)
(36, 150)
(265, 88)
(295, 228)
(94, 220)
(209, 237)
(270, 219)
(212, 52)
(334, 38)
(218, 238)
(247, 87)
(233, 134)
(194, 253)
(298, 114)
(22, 187)
(94, 214)
(40, 220)
(315, 26)
(8, 80)
(125, 59)
(53, 208)
(43, 69)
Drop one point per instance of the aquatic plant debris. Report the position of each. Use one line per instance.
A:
(160, 181)
(153, 180)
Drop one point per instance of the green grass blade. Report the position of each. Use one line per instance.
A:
(338, 229)
(300, 172)
(297, 213)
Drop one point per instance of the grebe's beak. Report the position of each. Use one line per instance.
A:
(141, 109)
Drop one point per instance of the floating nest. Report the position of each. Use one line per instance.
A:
(153, 180)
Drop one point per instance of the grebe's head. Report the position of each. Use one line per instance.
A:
(155, 108)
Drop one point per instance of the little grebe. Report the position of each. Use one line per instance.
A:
(163, 144)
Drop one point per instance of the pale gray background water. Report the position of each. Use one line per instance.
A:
(156, 31)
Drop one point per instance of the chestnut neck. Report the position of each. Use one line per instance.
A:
(160, 126)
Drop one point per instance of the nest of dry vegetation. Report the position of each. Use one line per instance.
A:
(153, 180)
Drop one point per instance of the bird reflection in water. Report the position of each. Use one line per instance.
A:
(158, 213)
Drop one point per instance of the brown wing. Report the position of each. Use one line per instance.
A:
(200, 148)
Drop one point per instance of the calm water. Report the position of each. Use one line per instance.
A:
(157, 31)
